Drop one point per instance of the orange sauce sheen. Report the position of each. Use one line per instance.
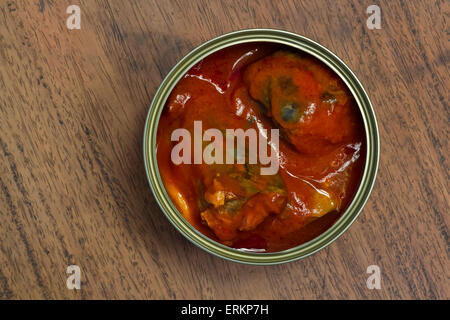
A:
(321, 151)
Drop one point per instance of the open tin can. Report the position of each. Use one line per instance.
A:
(302, 44)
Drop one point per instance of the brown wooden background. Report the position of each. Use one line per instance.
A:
(73, 188)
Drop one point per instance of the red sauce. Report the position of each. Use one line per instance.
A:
(321, 150)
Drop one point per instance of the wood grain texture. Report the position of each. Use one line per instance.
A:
(73, 188)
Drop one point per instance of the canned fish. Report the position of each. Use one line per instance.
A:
(261, 146)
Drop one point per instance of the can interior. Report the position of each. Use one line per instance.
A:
(297, 42)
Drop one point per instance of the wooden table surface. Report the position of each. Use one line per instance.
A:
(73, 188)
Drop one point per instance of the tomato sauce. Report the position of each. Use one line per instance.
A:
(321, 151)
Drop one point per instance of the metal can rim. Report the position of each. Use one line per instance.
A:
(301, 43)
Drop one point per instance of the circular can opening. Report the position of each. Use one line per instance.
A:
(326, 155)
